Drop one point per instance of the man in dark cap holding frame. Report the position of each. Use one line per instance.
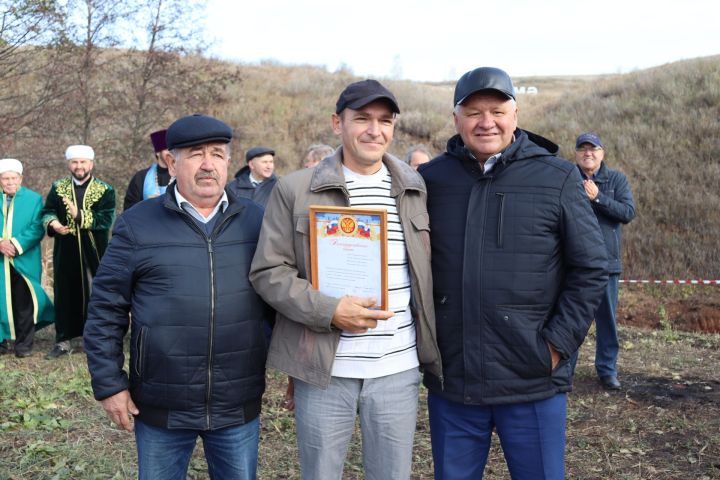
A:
(179, 264)
(349, 359)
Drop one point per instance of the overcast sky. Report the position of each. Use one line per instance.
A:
(439, 40)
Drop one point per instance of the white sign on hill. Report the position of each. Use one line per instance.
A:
(526, 90)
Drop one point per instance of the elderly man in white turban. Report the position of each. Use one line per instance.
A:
(24, 306)
(79, 212)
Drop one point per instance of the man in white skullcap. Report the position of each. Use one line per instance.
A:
(79, 212)
(24, 306)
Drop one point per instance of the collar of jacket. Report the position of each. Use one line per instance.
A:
(329, 174)
(601, 176)
(170, 201)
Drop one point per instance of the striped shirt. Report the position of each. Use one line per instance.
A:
(390, 347)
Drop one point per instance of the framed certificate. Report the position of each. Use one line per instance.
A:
(348, 250)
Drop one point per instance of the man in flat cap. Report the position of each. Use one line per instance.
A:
(346, 356)
(78, 213)
(608, 192)
(257, 179)
(517, 278)
(24, 306)
(179, 264)
(152, 181)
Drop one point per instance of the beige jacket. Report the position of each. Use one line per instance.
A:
(304, 342)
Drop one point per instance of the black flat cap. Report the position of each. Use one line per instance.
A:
(195, 130)
(358, 94)
(257, 152)
(483, 78)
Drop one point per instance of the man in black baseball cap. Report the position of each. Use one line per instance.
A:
(516, 265)
(179, 262)
(359, 94)
(348, 357)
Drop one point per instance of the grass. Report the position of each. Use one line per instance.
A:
(664, 424)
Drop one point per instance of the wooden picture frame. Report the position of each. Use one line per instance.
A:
(349, 252)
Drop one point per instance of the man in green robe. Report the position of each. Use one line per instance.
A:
(24, 305)
(79, 212)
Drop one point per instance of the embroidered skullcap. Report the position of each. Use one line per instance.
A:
(11, 165)
(79, 151)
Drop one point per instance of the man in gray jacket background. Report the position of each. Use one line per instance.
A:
(346, 357)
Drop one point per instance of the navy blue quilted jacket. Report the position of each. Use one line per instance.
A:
(517, 262)
(614, 206)
(197, 345)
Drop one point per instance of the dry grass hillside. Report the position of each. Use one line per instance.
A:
(660, 127)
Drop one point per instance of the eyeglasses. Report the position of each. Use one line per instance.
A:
(588, 149)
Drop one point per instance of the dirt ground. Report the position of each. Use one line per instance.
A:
(694, 308)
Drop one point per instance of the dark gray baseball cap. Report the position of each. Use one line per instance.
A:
(483, 78)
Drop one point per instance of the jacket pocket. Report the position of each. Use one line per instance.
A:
(302, 244)
(421, 224)
(501, 218)
(516, 346)
(140, 343)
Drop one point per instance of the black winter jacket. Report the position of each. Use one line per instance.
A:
(516, 265)
(242, 187)
(613, 206)
(197, 345)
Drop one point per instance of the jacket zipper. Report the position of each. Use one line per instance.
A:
(212, 331)
(484, 196)
(501, 218)
(211, 259)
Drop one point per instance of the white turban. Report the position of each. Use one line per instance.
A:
(11, 165)
(79, 151)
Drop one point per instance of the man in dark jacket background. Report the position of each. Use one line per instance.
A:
(257, 179)
(179, 264)
(517, 278)
(611, 199)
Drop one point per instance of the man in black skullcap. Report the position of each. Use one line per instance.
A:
(257, 179)
(517, 276)
(179, 264)
(152, 181)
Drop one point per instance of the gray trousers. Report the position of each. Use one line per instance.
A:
(325, 420)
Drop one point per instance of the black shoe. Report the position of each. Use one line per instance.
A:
(57, 351)
(610, 382)
(23, 354)
(4, 347)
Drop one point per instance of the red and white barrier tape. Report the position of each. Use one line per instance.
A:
(673, 282)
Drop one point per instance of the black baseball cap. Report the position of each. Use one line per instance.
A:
(483, 78)
(358, 94)
(195, 130)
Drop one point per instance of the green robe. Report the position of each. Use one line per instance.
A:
(76, 256)
(24, 229)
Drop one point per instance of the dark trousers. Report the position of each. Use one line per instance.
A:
(22, 308)
(532, 435)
